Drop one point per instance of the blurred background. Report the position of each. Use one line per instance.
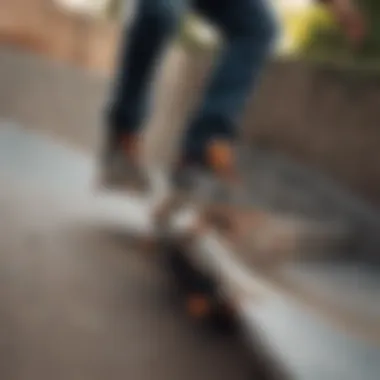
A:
(80, 301)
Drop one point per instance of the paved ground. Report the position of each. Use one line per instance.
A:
(79, 298)
(79, 301)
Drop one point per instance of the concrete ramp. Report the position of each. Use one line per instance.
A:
(82, 302)
(78, 299)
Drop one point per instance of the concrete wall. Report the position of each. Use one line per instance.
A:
(323, 116)
(39, 26)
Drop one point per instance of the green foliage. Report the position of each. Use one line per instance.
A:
(323, 38)
(371, 9)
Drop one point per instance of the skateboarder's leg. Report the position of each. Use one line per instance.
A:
(141, 47)
(249, 29)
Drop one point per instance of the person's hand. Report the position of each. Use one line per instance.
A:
(350, 19)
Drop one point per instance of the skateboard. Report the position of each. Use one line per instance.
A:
(201, 289)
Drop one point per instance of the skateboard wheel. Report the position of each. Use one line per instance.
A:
(224, 319)
(227, 310)
(198, 306)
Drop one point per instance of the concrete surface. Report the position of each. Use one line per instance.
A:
(84, 302)
(68, 304)
(77, 299)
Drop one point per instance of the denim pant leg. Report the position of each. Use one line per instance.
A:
(249, 29)
(141, 47)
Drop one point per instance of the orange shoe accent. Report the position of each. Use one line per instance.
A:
(198, 306)
(221, 158)
(130, 145)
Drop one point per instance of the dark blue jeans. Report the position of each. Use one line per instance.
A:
(248, 28)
